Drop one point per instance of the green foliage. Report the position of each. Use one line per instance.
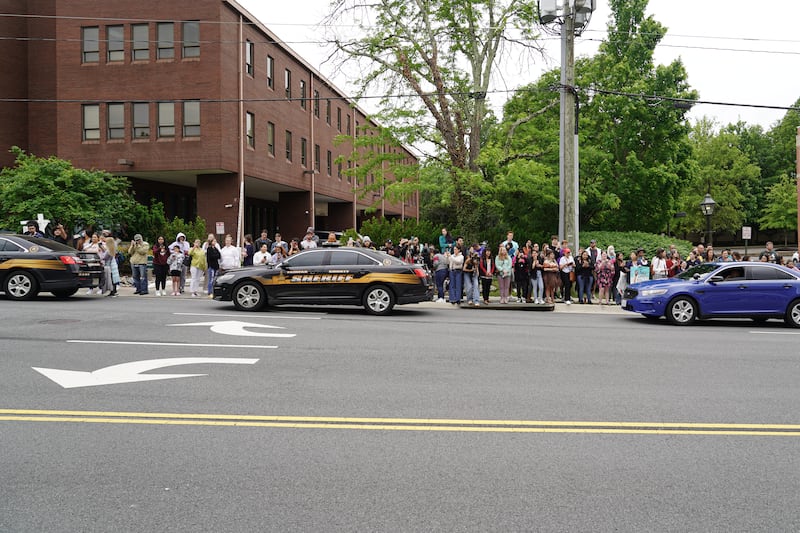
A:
(381, 229)
(75, 197)
(781, 206)
(627, 242)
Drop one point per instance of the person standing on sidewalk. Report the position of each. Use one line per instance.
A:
(137, 252)
(212, 263)
(160, 268)
(502, 265)
(567, 266)
(198, 266)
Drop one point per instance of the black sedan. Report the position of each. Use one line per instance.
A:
(328, 276)
(29, 265)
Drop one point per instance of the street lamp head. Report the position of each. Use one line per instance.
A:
(585, 6)
(548, 11)
(707, 205)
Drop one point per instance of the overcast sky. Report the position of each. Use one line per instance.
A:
(735, 51)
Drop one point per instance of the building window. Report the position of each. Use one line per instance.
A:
(348, 124)
(287, 83)
(288, 145)
(90, 46)
(271, 138)
(166, 40)
(339, 170)
(191, 39)
(191, 119)
(141, 42)
(115, 43)
(116, 121)
(329, 162)
(303, 94)
(328, 112)
(141, 121)
(166, 119)
(349, 174)
(91, 122)
(270, 72)
(303, 150)
(249, 52)
(316, 104)
(250, 126)
(339, 119)
(316, 158)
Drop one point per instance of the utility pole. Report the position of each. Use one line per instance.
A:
(568, 156)
(797, 178)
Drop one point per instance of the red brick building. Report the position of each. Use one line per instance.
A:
(196, 101)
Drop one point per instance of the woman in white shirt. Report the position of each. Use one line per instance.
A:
(230, 256)
(659, 264)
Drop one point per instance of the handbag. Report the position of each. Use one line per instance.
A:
(572, 276)
(187, 261)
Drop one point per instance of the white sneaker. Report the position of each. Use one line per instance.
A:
(568, 302)
(440, 300)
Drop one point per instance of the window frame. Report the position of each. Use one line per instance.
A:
(249, 55)
(90, 54)
(303, 151)
(115, 131)
(190, 48)
(164, 127)
(288, 145)
(250, 129)
(271, 138)
(287, 82)
(316, 103)
(165, 48)
(190, 109)
(271, 72)
(115, 48)
(317, 158)
(90, 126)
(303, 96)
(136, 46)
(138, 129)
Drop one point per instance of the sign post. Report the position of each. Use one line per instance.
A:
(747, 234)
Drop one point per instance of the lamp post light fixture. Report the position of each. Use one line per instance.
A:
(568, 19)
(707, 208)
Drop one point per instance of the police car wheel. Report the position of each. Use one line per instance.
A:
(249, 296)
(378, 300)
(21, 285)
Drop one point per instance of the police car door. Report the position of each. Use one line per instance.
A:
(303, 277)
(342, 273)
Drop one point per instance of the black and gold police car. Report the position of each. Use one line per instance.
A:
(328, 276)
(29, 265)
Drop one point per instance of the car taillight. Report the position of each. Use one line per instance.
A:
(420, 272)
(70, 260)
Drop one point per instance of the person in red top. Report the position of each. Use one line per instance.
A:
(486, 270)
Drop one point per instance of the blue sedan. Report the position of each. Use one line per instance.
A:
(720, 290)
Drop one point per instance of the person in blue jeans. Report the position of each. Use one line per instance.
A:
(138, 251)
(456, 266)
(584, 268)
(441, 265)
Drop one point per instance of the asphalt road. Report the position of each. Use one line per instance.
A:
(432, 419)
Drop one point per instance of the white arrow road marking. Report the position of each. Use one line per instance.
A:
(237, 328)
(270, 316)
(186, 344)
(132, 372)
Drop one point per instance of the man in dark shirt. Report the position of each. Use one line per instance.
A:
(770, 253)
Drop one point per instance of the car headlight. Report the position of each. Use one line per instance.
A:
(653, 292)
(224, 278)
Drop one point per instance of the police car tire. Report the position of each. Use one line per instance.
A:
(378, 300)
(21, 285)
(65, 293)
(249, 296)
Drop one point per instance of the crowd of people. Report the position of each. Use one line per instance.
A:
(539, 274)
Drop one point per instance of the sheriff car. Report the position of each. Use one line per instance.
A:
(328, 276)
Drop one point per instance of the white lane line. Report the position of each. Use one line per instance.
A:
(776, 332)
(186, 344)
(249, 316)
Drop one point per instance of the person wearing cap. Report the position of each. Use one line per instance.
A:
(567, 266)
(175, 263)
(137, 252)
(308, 241)
(314, 236)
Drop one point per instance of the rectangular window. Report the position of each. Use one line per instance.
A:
(339, 170)
(328, 112)
(91, 122)
(303, 94)
(316, 157)
(339, 119)
(191, 39)
(250, 126)
(316, 104)
(90, 44)
(329, 162)
(191, 118)
(271, 138)
(348, 124)
(141, 42)
(115, 43)
(166, 119)
(288, 145)
(166, 40)
(349, 175)
(116, 121)
(303, 150)
(141, 121)
(249, 52)
(270, 72)
(287, 83)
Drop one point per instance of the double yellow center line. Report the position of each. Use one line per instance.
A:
(401, 424)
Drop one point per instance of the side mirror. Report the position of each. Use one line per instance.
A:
(716, 279)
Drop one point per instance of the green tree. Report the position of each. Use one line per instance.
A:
(442, 54)
(723, 170)
(73, 196)
(781, 207)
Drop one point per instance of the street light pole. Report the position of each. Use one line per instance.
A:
(572, 16)
(707, 208)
